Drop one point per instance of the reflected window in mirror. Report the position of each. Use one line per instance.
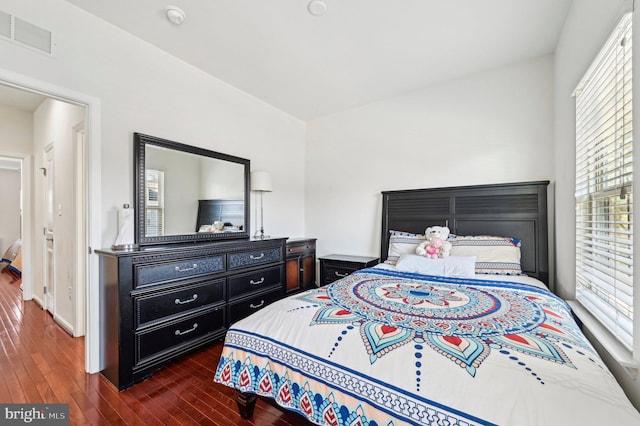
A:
(154, 203)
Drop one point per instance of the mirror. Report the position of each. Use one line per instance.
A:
(184, 193)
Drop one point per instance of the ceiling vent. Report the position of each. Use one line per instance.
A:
(25, 33)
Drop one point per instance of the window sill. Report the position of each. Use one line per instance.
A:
(617, 350)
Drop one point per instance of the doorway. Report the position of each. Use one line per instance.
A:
(84, 208)
(11, 206)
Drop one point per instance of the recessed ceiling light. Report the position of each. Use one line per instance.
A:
(175, 15)
(317, 7)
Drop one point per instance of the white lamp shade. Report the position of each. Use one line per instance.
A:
(261, 181)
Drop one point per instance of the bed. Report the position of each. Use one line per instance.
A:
(401, 344)
(11, 262)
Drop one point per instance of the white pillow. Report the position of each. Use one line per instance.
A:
(452, 266)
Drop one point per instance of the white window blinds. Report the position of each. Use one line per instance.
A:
(604, 176)
(154, 203)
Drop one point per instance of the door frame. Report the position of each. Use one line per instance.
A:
(80, 249)
(93, 197)
(49, 267)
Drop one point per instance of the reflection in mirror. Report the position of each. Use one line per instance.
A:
(178, 183)
(187, 193)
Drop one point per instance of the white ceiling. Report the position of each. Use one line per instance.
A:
(358, 52)
(19, 99)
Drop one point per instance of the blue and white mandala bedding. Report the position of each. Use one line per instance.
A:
(382, 347)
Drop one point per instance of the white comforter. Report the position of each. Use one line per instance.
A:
(381, 347)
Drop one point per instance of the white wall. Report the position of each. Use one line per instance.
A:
(53, 123)
(144, 89)
(16, 131)
(588, 25)
(492, 127)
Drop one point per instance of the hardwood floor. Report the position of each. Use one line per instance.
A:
(41, 363)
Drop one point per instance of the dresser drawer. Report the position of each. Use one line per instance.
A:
(159, 340)
(254, 257)
(254, 281)
(241, 309)
(159, 272)
(149, 308)
(300, 247)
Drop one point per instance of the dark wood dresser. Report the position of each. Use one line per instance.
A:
(161, 302)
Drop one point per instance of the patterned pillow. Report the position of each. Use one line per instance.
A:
(494, 255)
(401, 243)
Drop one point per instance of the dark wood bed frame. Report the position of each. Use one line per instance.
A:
(517, 210)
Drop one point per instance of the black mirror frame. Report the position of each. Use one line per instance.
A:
(140, 142)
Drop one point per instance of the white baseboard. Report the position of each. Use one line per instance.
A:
(38, 301)
(64, 324)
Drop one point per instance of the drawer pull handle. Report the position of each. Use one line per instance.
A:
(195, 266)
(256, 258)
(252, 306)
(338, 274)
(260, 281)
(182, 302)
(182, 333)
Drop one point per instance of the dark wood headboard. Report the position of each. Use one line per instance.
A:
(517, 210)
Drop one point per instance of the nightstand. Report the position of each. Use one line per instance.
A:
(336, 266)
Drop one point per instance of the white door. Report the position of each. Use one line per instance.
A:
(49, 217)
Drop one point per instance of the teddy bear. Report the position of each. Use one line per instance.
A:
(436, 244)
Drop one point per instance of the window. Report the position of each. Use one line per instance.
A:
(154, 204)
(604, 177)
